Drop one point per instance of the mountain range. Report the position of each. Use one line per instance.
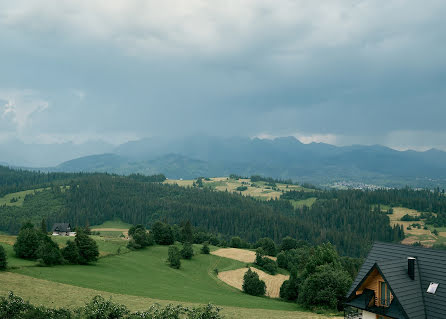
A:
(285, 158)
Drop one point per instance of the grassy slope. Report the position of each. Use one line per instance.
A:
(43, 292)
(20, 196)
(118, 224)
(304, 202)
(145, 274)
(258, 189)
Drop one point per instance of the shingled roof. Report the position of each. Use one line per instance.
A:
(412, 295)
(62, 227)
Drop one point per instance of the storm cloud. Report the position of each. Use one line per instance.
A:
(341, 72)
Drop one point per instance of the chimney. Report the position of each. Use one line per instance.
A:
(411, 267)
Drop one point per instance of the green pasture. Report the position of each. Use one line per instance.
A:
(146, 274)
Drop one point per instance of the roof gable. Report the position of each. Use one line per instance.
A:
(62, 227)
(391, 260)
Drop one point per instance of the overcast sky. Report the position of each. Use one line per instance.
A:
(341, 72)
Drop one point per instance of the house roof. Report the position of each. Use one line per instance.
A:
(62, 227)
(430, 266)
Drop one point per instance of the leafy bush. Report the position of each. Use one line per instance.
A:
(173, 257)
(205, 249)
(162, 233)
(252, 284)
(140, 237)
(88, 249)
(187, 252)
(267, 244)
(325, 287)
(14, 307)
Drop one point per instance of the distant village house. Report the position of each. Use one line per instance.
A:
(63, 229)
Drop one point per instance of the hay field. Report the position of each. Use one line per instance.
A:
(234, 278)
(243, 255)
(413, 235)
(260, 190)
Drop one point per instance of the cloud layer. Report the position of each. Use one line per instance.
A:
(342, 71)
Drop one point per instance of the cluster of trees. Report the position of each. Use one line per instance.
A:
(265, 263)
(14, 307)
(318, 275)
(139, 237)
(35, 244)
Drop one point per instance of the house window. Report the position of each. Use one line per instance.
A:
(384, 294)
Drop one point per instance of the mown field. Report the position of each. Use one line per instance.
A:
(259, 189)
(416, 233)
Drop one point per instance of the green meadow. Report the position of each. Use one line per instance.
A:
(146, 274)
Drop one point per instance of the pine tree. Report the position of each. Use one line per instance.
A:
(187, 252)
(3, 258)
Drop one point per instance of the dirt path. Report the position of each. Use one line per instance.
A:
(243, 255)
(234, 278)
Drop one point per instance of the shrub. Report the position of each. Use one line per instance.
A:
(252, 285)
(288, 243)
(71, 253)
(205, 249)
(88, 249)
(140, 237)
(99, 308)
(236, 242)
(27, 242)
(282, 260)
(187, 252)
(268, 246)
(48, 252)
(162, 233)
(326, 287)
(3, 258)
(173, 257)
(270, 266)
(290, 288)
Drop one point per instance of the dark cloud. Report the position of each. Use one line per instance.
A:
(344, 72)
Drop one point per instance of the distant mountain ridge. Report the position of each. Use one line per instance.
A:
(286, 157)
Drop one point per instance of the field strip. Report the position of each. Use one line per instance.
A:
(124, 231)
(53, 294)
(234, 278)
(243, 255)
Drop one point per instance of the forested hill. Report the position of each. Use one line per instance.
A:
(349, 224)
(287, 157)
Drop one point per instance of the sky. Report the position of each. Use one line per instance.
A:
(339, 72)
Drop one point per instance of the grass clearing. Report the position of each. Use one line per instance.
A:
(106, 246)
(260, 189)
(48, 293)
(304, 202)
(116, 223)
(234, 278)
(17, 199)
